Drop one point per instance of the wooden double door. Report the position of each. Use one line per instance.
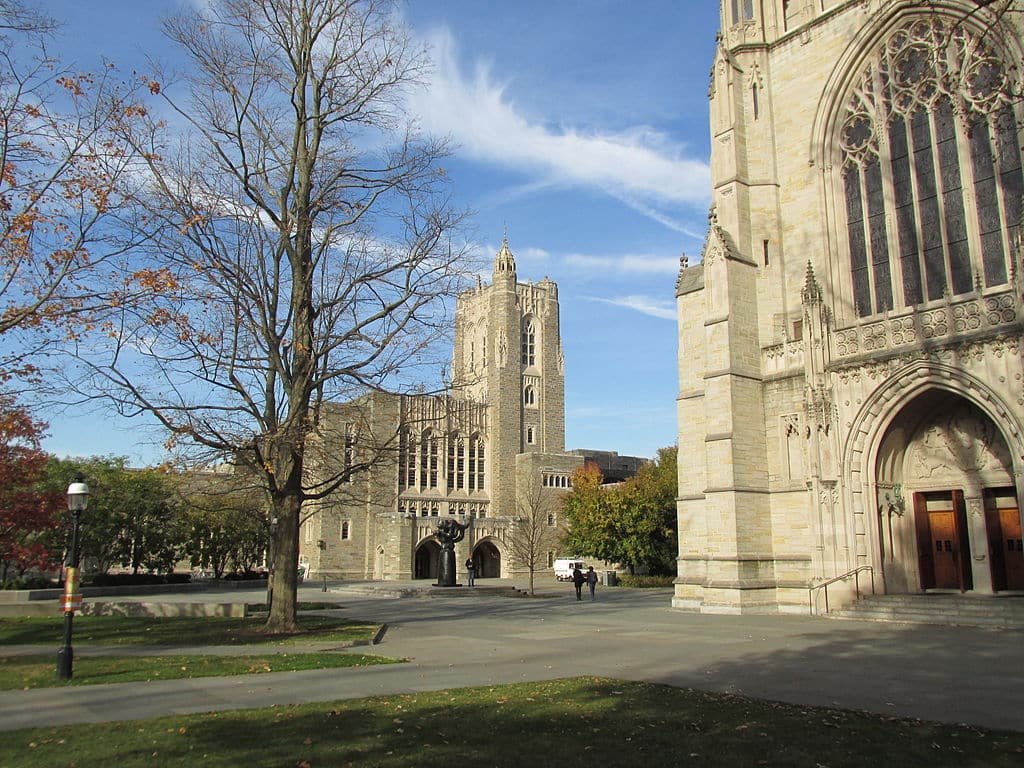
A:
(944, 547)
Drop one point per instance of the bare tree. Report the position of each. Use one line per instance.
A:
(535, 531)
(299, 247)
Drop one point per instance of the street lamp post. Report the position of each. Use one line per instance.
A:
(78, 500)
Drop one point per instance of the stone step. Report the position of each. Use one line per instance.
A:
(940, 609)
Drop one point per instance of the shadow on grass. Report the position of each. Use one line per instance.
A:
(572, 722)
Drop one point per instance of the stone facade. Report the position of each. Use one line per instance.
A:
(850, 363)
(472, 454)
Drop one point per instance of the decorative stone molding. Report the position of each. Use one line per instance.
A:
(989, 313)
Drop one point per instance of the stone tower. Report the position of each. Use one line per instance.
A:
(508, 354)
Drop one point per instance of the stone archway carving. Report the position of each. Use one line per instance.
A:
(934, 430)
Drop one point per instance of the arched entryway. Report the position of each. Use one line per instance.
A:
(488, 561)
(948, 514)
(428, 555)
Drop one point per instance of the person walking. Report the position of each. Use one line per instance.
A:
(592, 581)
(471, 571)
(577, 579)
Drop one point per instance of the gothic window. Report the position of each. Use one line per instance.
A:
(742, 10)
(426, 441)
(428, 460)
(529, 435)
(931, 169)
(476, 463)
(529, 397)
(407, 460)
(529, 343)
(346, 530)
(453, 445)
(460, 464)
(349, 454)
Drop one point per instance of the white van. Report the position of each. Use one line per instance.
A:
(564, 568)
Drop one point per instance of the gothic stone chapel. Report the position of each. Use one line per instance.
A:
(481, 454)
(850, 361)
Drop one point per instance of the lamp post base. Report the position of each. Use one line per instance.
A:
(65, 661)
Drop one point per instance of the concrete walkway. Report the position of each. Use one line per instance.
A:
(950, 674)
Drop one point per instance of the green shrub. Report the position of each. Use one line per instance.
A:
(644, 582)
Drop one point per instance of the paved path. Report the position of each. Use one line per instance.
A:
(952, 674)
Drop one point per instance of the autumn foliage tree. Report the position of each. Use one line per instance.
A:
(297, 246)
(27, 512)
(632, 523)
(63, 168)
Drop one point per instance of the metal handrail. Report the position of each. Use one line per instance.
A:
(856, 585)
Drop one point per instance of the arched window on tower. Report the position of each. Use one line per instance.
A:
(529, 343)
(529, 396)
(349, 456)
(931, 169)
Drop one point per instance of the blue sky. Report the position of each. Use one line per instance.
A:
(581, 128)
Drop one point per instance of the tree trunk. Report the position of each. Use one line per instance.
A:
(281, 616)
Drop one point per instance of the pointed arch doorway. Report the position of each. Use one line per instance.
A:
(948, 515)
(488, 561)
(428, 555)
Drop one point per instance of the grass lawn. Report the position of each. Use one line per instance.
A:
(200, 630)
(577, 722)
(38, 671)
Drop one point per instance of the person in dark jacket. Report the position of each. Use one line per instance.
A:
(591, 576)
(578, 579)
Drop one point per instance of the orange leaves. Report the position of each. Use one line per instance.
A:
(154, 87)
(156, 280)
(191, 222)
(76, 84)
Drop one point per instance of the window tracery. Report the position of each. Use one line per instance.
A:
(931, 169)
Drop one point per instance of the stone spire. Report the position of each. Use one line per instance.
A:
(505, 262)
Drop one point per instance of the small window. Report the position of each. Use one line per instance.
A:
(346, 530)
(528, 395)
(529, 435)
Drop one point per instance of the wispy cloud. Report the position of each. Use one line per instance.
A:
(631, 263)
(644, 304)
(641, 166)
